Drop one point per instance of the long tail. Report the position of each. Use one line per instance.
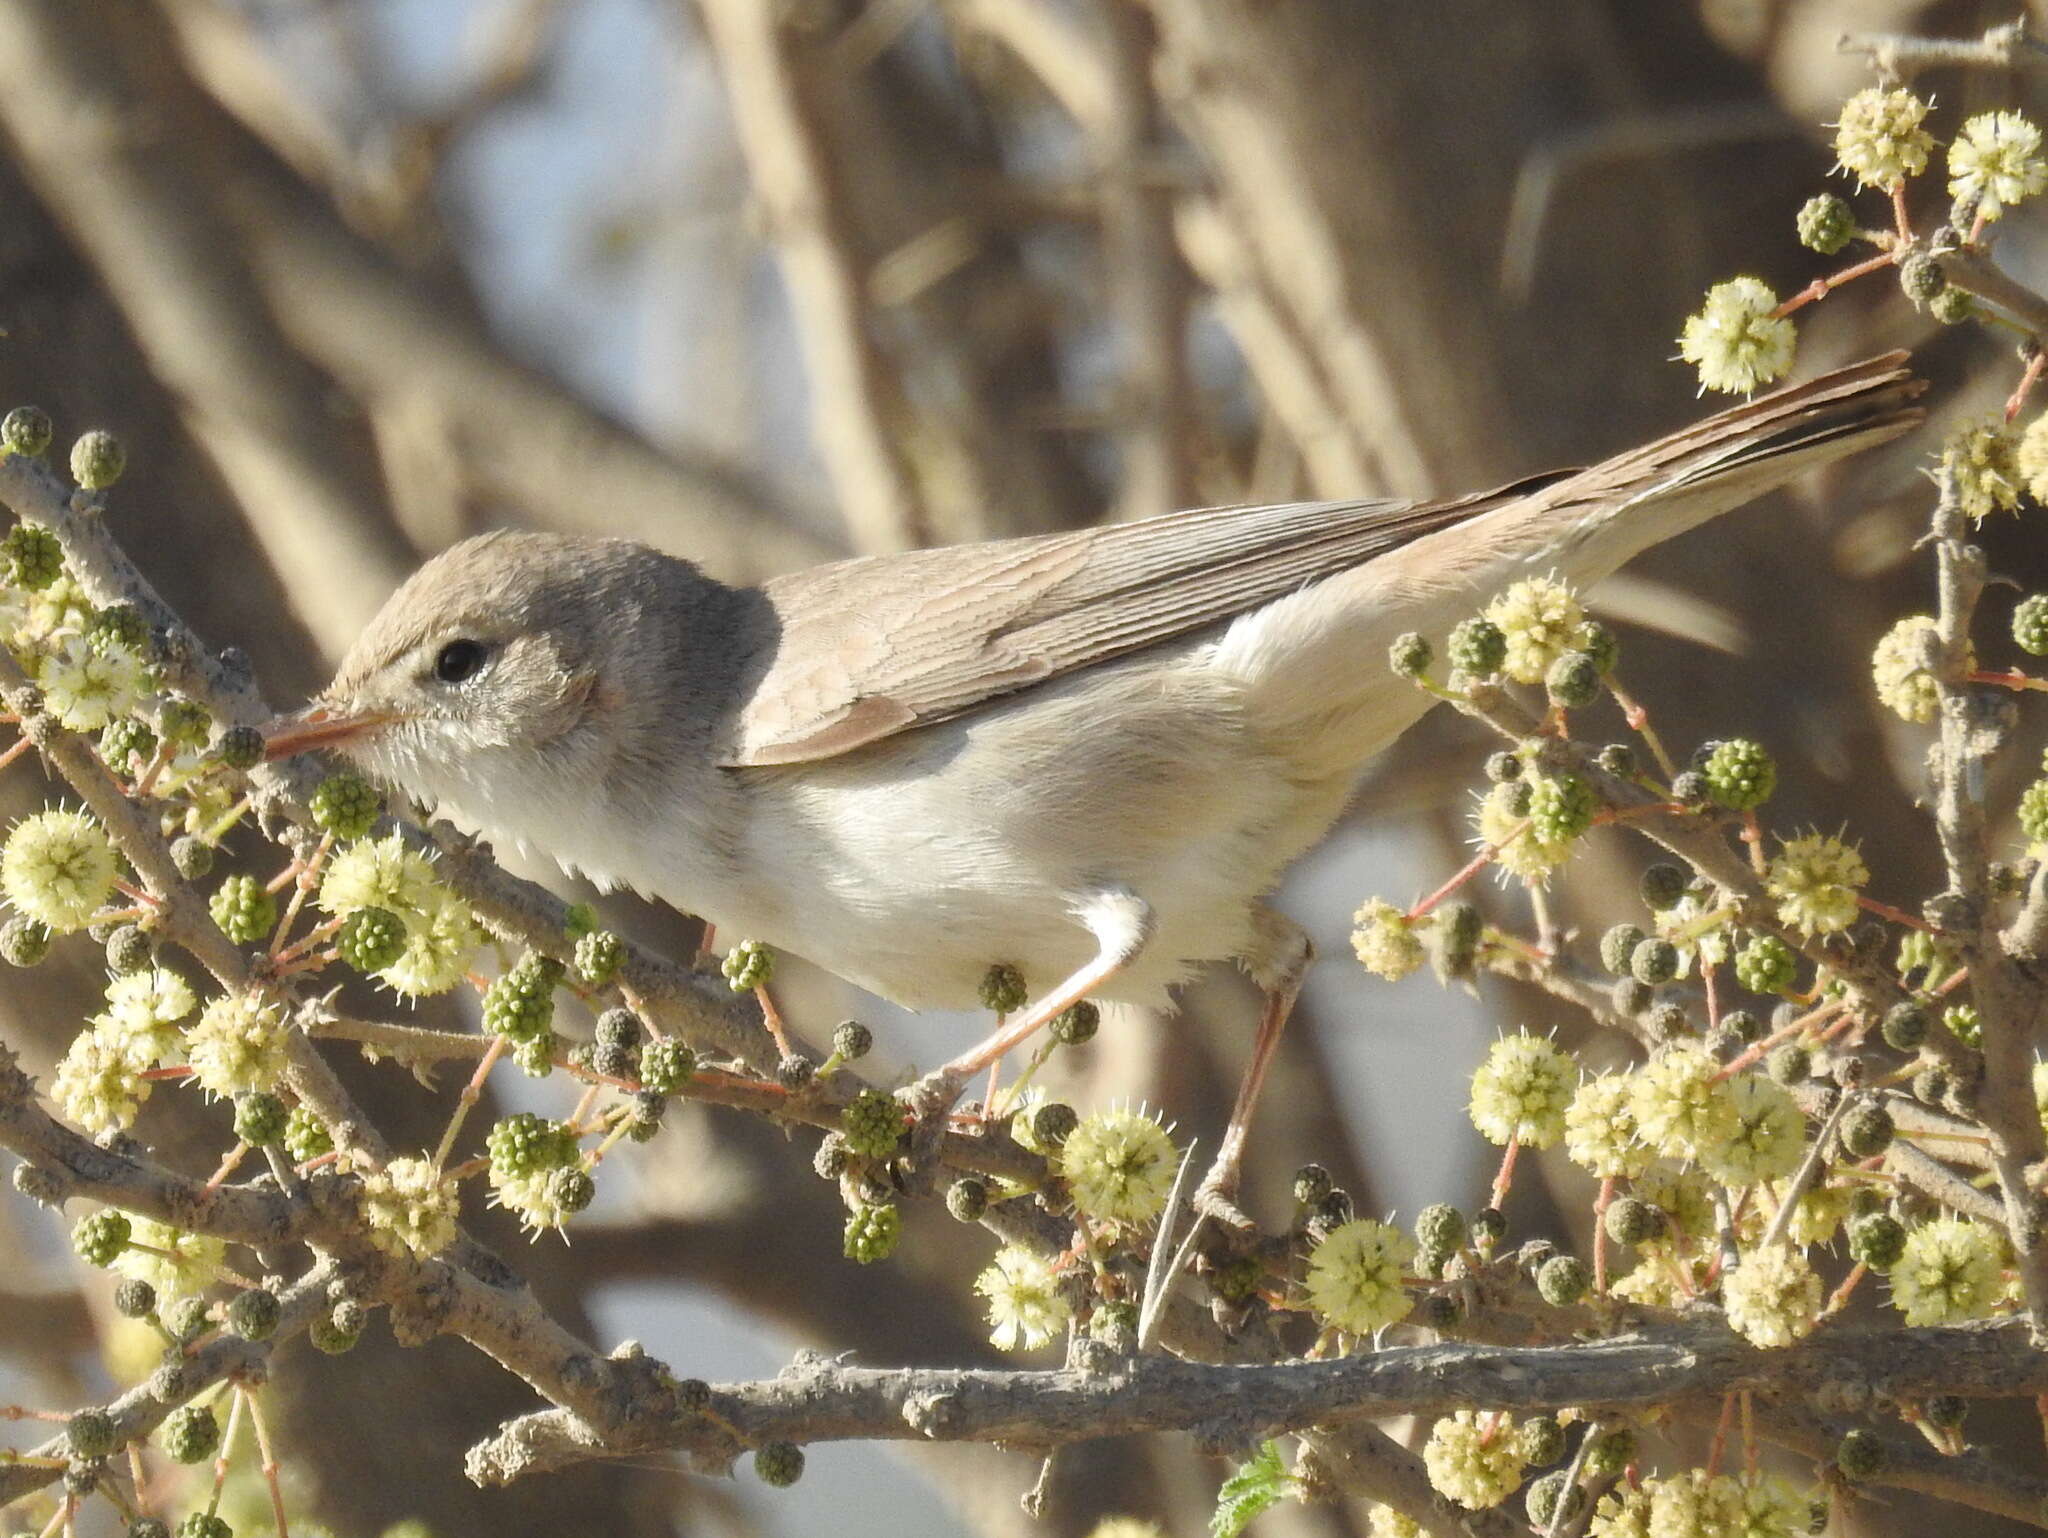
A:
(1314, 663)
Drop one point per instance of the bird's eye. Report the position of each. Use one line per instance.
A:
(459, 660)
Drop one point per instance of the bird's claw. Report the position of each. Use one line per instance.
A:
(929, 1100)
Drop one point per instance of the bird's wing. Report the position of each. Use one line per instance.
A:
(875, 646)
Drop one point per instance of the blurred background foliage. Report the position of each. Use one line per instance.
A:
(767, 282)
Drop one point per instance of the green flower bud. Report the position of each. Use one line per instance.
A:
(1440, 1227)
(1663, 887)
(1561, 807)
(1905, 1026)
(1766, 964)
(1826, 224)
(780, 1464)
(1562, 1280)
(185, 722)
(243, 910)
(1743, 1025)
(1953, 306)
(572, 1189)
(1311, 1184)
(1654, 961)
(260, 1119)
(520, 1004)
(1595, 640)
(795, 1071)
(91, 1434)
(33, 555)
(329, 1332)
(118, 627)
(1922, 279)
(598, 957)
(1477, 647)
(666, 1065)
(371, 939)
(1861, 1455)
(189, 1434)
(2034, 811)
(1002, 989)
(97, 460)
(1618, 945)
(2030, 625)
(1053, 1123)
(872, 1233)
(126, 745)
(193, 856)
(26, 431)
(967, 1198)
(1867, 1131)
(345, 805)
(1669, 1021)
(305, 1136)
(1503, 766)
(1611, 1455)
(1631, 1220)
(852, 1041)
(129, 949)
(1740, 774)
(196, 1524)
(747, 966)
(1411, 654)
(253, 1313)
(1690, 788)
(1573, 681)
(1076, 1024)
(1617, 759)
(1488, 1227)
(239, 747)
(873, 1123)
(24, 941)
(100, 1237)
(187, 1319)
(134, 1298)
(1789, 1064)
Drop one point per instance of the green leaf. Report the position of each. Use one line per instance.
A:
(1262, 1482)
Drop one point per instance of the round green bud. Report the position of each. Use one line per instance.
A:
(1863, 1201)
(1877, 1241)
(370, 939)
(1953, 306)
(1617, 759)
(189, 1434)
(193, 856)
(91, 1434)
(203, 1524)
(254, 1312)
(127, 745)
(239, 747)
(260, 1119)
(1922, 279)
(1543, 1440)
(1740, 774)
(134, 1298)
(329, 1333)
(1690, 788)
(1411, 654)
(1743, 1025)
(1053, 1123)
(1861, 1455)
(1629, 996)
(523, 1144)
(100, 1237)
(1562, 1280)
(967, 1198)
(1546, 1493)
(33, 555)
(2034, 811)
(305, 1136)
(1654, 961)
(780, 1464)
(833, 1157)
(1867, 1131)
(873, 1124)
(1440, 1227)
(129, 949)
(1905, 1026)
(118, 627)
(1932, 1084)
(1789, 1064)
(609, 1062)
(1503, 766)
(1596, 641)
(187, 1318)
(795, 1071)
(1826, 224)
(1573, 681)
(97, 460)
(1631, 1220)
(1488, 1227)
(572, 1189)
(520, 1004)
(1724, 1044)
(2030, 625)
(598, 957)
(185, 722)
(872, 1233)
(1663, 886)
(1965, 1023)
(345, 805)
(620, 1028)
(1669, 1021)
(666, 1065)
(1076, 1024)
(852, 1041)
(1237, 1281)
(648, 1110)
(26, 431)
(1477, 647)
(1311, 1184)
(1002, 989)
(1513, 798)
(243, 910)
(24, 941)
(1455, 937)
(1561, 807)
(1610, 1456)
(1334, 1210)
(1618, 945)
(747, 966)
(1766, 964)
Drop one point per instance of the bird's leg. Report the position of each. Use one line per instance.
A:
(1278, 964)
(1121, 922)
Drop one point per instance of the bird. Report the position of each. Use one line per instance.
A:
(1087, 755)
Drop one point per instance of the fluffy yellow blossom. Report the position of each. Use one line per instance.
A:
(1025, 1303)
(1119, 1165)
(1600, 1134)
(1542, 620)
(58, 868)
(1520, 1092)
(1880, 138)
(1354, 1276)
(1814, 880)
(1736, 341)
(1474, 1458)
(410, 1208)
(1996, 162)
(237, 1045)
(1680, 1103)
(1385, 942)
(1950, 1272)
(1773, 1297)
(176, 1263)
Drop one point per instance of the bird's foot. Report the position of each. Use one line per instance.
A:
(930, 1100)
(1216, 1199)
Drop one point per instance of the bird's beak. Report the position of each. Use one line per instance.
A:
(320, 726)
